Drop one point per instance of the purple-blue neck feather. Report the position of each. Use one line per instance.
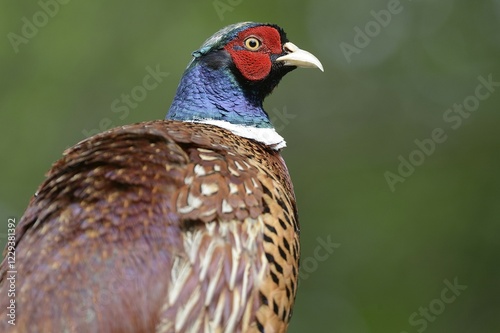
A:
(209, 90)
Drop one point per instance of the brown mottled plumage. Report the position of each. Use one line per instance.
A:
(219, 235)
(171, 226)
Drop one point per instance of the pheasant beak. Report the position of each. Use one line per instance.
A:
(299, 58)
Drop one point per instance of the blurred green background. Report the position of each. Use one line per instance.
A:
(345, 128)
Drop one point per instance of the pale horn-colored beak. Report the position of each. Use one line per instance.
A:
(299, 58)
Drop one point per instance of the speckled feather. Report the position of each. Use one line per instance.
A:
(162, 226)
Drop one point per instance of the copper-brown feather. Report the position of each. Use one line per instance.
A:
(162, 226)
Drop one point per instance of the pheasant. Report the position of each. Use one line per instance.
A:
(187, 224)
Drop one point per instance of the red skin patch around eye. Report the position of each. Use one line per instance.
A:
(255, 65)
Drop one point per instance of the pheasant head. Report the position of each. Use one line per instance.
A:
(230, 75)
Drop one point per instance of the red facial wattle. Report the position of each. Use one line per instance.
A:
(255, 65)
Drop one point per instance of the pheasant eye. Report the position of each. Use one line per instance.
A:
(252, 44)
